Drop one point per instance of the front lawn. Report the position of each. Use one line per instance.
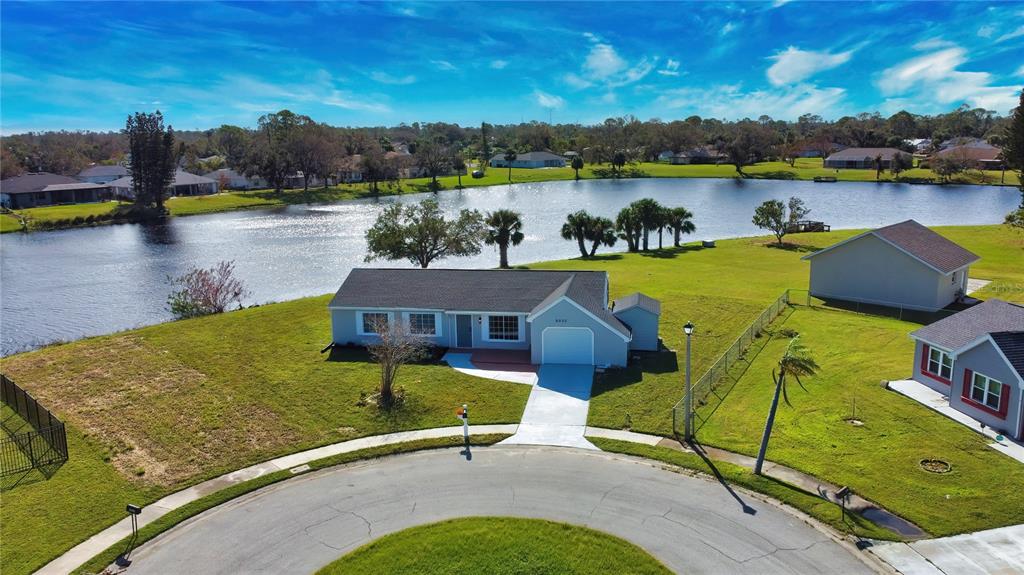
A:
(879, 454)
(496, 545)
(150, 411)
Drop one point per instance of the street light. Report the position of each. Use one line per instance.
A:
(688, 398)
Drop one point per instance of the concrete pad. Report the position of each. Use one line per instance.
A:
(974, 285)
(462, 362)
(903, 558)
(936, 401)
(982, 553)
(556, 412)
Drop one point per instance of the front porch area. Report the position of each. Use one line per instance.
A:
(498, 364)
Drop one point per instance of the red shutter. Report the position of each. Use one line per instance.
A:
(966, 391)
(1004, 401)
(925, 350)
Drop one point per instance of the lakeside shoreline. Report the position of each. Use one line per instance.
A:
(53, 218)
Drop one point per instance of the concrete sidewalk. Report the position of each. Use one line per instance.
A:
(993, 551)
(938, 402)
(98, 543)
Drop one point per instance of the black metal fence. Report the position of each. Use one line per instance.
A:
(43, 446)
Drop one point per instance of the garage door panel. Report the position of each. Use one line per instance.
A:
(568, 345)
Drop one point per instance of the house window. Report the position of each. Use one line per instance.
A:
(940, 363)
(503, 327)
(422, 323)
(986, 391)
(370, 322)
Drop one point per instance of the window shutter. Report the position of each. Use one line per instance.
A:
(966, 391)
(1004, 401)
(925, 350)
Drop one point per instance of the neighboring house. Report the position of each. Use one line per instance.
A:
(698, 156)
(559, 316)
(102, 174)
(976, 359)
(28, 190)
(78, 193)
(977, 153)
(350, 169)
(665, 155)
(903, 265)
(184, 184)
(228, 179)
(863, 158)
(529, 160)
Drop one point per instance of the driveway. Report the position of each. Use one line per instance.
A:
(992, 551)
(556, 412)
(690, 524)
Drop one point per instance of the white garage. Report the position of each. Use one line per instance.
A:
(567, 345)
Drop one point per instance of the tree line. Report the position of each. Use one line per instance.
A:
(284, 143)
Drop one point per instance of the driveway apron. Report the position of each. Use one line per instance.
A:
(556, 412)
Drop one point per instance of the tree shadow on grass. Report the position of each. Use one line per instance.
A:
(648, 362)
(801, 248)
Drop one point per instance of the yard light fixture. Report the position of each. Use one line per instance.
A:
(688, 397)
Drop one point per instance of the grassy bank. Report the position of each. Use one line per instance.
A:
(477, 545)
(152, 410)
(803, 169)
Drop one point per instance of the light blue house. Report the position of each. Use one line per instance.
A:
(560, 317)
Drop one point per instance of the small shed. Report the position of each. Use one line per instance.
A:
(642, 314)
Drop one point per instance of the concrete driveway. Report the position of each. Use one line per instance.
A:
(556, 411)
(692, 525)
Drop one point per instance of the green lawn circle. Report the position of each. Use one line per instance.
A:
(498, 546)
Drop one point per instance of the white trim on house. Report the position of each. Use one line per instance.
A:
(985, 391)
(872, 232)
(392, 308)
(359, 320)
(485, 328)
(982, 339)
(543, 347)
(438, 322)
(541, 312)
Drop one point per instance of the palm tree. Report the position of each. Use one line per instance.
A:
(679, 220)
(629, 226)
(504, 227)
(575, 228)
(577, 164)
(510, 156)
(618, 161)
(600, 231)
(662, 222)
(796, 361)
(459, 165)
(649, 212)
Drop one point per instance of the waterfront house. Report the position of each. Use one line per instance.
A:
(560, 317)
(529, 160)
(183, 184)
(29, 190)
(97, 174)
(863, 158)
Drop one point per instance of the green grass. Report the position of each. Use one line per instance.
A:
(811, 504)
(499, 546)
(173, 518)
(879, 459)
(152, 410)
(803, 169)
(9, 223)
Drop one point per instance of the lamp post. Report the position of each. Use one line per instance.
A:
(688, 397)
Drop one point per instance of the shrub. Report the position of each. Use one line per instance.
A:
(206, 291)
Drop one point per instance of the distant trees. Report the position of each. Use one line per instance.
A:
(946, 167)
(772, 215)
(421, 234)
(485, 146)
(1013, 144)
(503, 228)
(375, 168)
(900, 163)
(206, 291)
(433, 157)
(619, 160)
(577, 165)
(152, 158)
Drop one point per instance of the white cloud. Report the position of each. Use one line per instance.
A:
(933, 44)
(935, 77)
(548, 100)
(794, 65)
(385, 78)
(1020, 71)
(732, 102)
(499, 64)
(444, 65)
(1011, 35)
(986, 31)
(577, 81)
(603, 61)
(347, 101)
(671, 68)
(729, 27)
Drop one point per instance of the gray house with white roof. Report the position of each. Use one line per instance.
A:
(903, 265)
(561, 317)
(976, 359)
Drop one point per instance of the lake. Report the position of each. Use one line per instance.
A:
(68, 284)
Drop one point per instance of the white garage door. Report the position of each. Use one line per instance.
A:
(572, 345)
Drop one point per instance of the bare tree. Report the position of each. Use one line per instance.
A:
(393, 347)
(206, 291)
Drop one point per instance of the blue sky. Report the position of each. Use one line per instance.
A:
(83, 65)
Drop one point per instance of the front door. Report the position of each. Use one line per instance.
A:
(464, 331)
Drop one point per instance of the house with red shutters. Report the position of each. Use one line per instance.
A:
(976, 359)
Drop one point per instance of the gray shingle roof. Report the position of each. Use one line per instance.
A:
(960, 329)
(927, 246)
(98, 171)
(515, 291)
(181, 178)
(861, 153)
(529, 157)
(32, 182)
(75, 186)
(638, 300)
(1011, 343)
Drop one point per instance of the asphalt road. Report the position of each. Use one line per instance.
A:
(692, 525)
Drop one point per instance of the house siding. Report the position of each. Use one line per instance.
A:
(985, 359)
(870, 270)
(609, 347)
(919, 374)
(344, 328)
(478, 334)
(644, 326)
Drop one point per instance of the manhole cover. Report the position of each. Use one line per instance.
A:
(936, 466)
